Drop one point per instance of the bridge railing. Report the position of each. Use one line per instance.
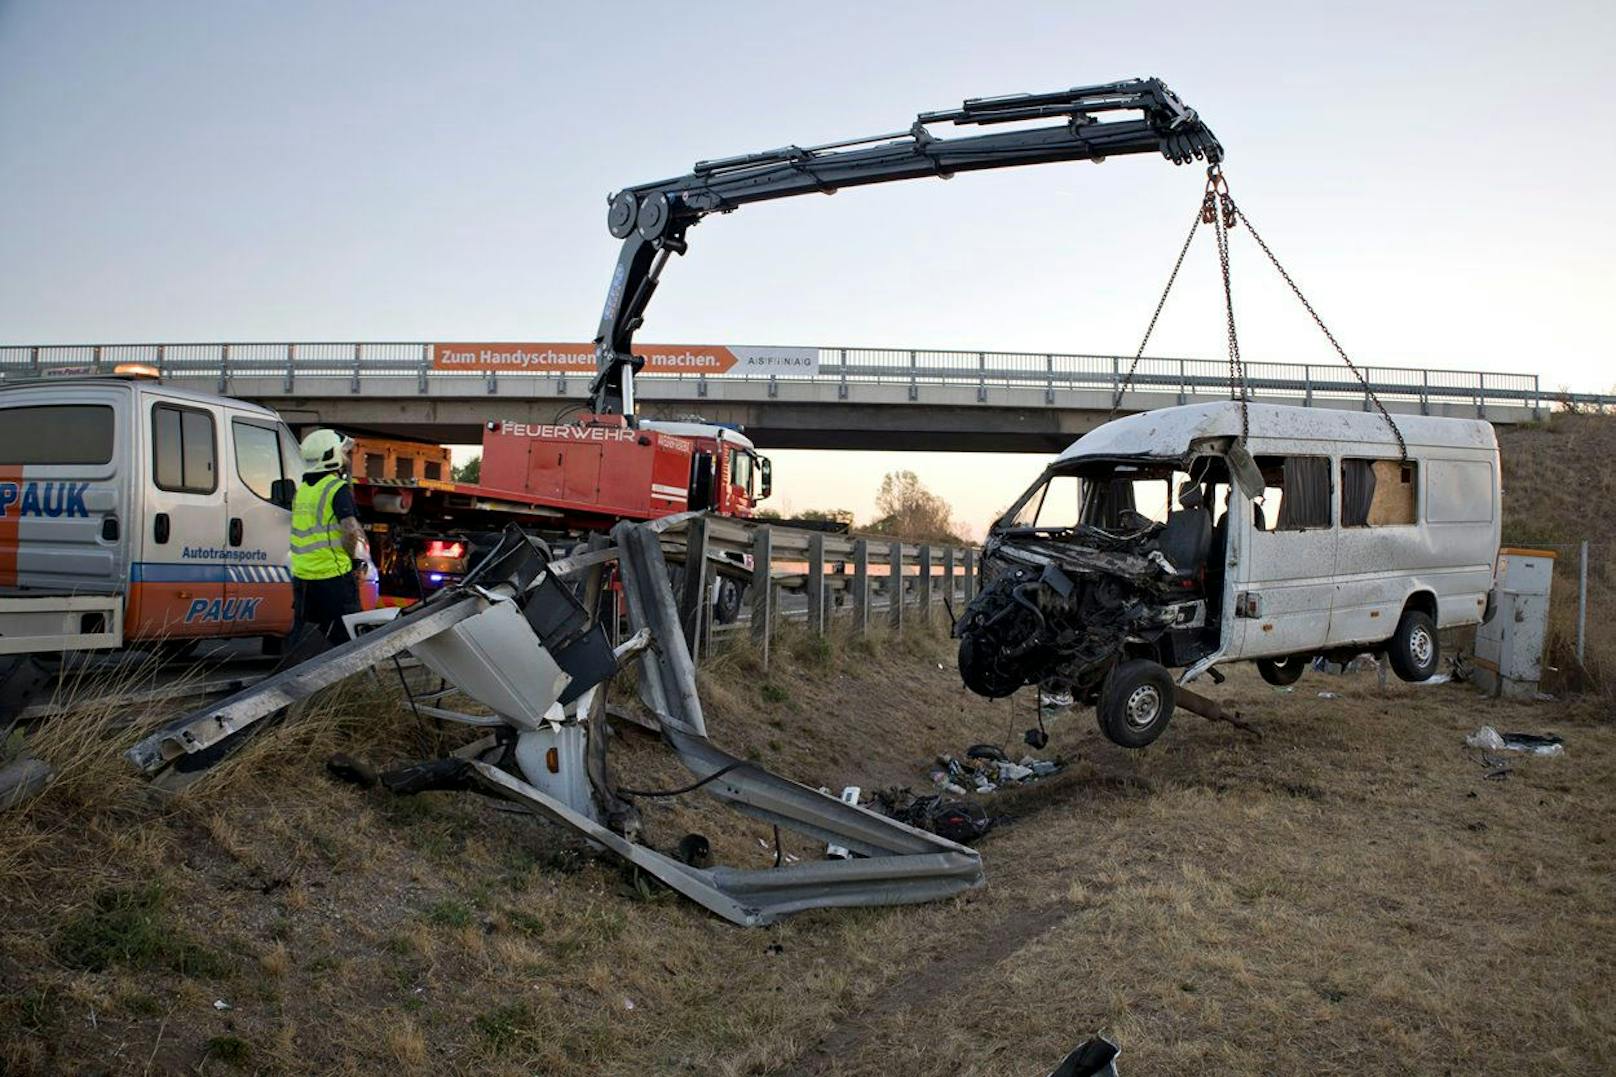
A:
(222, 363)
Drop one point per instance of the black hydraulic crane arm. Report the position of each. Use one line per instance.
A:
(651, 218)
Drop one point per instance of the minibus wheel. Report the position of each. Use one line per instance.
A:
(1282, 671)
(1136, 702)
(1414, 651)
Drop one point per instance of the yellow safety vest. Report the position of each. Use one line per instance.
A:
(317, 552)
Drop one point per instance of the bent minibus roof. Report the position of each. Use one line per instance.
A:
(43, 387)
(1167, 433)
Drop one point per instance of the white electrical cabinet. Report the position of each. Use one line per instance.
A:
(1509, 647)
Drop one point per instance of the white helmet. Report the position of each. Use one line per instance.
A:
(323, 450)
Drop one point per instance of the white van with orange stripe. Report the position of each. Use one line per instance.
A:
(131, 512)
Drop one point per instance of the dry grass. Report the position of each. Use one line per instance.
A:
(1349, 893)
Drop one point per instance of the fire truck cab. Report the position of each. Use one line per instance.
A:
(726, 473)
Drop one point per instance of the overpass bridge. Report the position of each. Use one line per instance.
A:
(843, 398)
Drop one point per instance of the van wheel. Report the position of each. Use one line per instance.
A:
(1282, 671)
(1136, 702)
(1414, 651)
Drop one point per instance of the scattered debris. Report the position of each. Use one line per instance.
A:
(1490, 739)
(1356, 664)
(985, 768)
(22, 779)
(1329, 695)
(959, 821)
(1213, 711)
(1094, 1057)
(221, 1005)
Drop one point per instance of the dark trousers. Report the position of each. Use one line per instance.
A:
(320, 605)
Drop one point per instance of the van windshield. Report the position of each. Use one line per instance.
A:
(1112, 495)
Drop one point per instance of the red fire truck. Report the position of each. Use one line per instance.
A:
(560, 481)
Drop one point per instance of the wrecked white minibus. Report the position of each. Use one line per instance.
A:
(1173, 540)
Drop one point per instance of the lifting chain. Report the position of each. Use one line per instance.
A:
(1218, 209)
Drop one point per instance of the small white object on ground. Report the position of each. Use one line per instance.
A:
(1329, 695)
(221, 1004)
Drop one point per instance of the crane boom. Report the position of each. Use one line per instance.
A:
(651, 218)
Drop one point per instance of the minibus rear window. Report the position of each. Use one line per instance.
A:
(56, 434)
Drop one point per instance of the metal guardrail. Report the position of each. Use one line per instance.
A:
(844, 367)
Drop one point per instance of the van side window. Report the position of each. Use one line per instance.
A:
(1377, 493)
(1297, 495)
(258, 456)
(56, 434)
(183, 450)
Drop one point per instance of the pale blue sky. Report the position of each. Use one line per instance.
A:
(1437, 175)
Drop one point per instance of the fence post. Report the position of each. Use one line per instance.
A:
(1049, 379)
(948, 576)
(1307, 386)
(816, 583)
(693, 595)
(291, 362)
(969, 586)
(841, 386)
(895, 585)
(925, 584)
(1183, 382)
(861, 585)
(224, 369)
(1582, 599)
(914, 387)
(95, 359)
(1537, 398)
(762, 590)
(981, 376)
(1425, 392)
(425, 365)
(353, 386)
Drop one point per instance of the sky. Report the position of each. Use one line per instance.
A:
(1436, 175)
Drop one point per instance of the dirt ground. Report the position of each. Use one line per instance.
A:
(1353, 892)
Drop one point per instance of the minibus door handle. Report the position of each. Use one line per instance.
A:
(160, 528)
(235, 530)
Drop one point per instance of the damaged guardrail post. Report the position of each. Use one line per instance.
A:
(861, 585)
(693, 595)
(895, 586)
(762, 590)
(816, 583)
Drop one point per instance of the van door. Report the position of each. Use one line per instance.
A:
(1287, 565)
(177, 585)
(258, 586)
(1380, 550)
(64, 490)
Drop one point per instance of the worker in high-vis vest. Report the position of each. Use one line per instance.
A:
(328, 545)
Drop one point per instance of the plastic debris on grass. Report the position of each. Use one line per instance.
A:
(1489, 739)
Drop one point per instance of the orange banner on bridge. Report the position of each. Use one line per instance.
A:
(708, 359)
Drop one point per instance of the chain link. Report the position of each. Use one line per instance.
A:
(1402, 446)
(1122, 386)
(1223, 218)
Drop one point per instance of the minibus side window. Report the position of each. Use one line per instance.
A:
(1377, 493)
(1297, 494)
(56, 434)
(183, 450)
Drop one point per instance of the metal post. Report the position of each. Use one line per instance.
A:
(425, 365)
(1049, 379)
(1425, 392)
(914, 388)
(1582, 599)
(1307, 386)
(96, 359)
(33, 359)
(861, 585)
(161, 353)
(353, 386)
(981, 376)
(841, 386)
(1537, 398)
(925, 584)
(1116, 378)
(291, 363)
(1183, 382)
(895, 585)
(1481, 396)
(969, 585)
(224, 368)
(816, 583)
(693, 597)
(948, 576)
(762, 590)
